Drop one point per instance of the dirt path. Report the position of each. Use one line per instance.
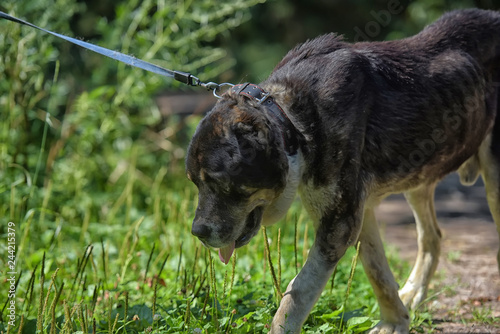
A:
(466, 287)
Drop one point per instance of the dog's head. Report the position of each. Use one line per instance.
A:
(237, 161)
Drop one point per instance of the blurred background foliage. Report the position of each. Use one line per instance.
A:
(76, 127)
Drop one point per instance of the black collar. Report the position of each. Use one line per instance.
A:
(288, 130)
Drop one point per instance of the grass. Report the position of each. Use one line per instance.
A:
(129, 270)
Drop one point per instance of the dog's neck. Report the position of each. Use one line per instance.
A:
(291, 139)
(289, 133)
(279, 207)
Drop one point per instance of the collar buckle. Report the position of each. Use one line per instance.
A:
(263, 97)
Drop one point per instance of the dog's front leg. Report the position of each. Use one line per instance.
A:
(333, 237)
(301, 294)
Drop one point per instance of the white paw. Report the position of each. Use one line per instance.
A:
(387, 328)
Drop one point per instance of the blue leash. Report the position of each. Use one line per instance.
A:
(186, 78)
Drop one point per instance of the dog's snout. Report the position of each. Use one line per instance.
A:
(201, 230)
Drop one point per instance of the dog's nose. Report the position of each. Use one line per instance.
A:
(201, 230)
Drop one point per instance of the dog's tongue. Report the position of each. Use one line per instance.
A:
(226, 252)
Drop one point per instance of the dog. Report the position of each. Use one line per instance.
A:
(344, 125)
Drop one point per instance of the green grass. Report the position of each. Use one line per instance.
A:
(118, 268)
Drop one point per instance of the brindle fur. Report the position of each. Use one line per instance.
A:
(373, 118)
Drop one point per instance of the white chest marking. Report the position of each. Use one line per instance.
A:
(278, 208)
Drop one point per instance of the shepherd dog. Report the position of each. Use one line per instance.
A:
(343, 125)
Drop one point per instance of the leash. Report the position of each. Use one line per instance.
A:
(186, 78)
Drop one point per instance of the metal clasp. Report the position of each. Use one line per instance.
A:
(263, 98)
(215, 87)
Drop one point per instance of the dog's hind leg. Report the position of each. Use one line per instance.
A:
(489, 154)
(490, 171)
(393, 313)
(421, 201)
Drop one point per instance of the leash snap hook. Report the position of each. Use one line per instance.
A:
(216, 88)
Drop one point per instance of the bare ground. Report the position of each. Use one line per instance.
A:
(465, 292)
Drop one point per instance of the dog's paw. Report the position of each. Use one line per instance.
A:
(388, 328)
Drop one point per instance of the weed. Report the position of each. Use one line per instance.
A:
(483, 315)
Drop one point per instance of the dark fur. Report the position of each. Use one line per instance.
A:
(374, 118)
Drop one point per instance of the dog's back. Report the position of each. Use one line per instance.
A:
(477, 32)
